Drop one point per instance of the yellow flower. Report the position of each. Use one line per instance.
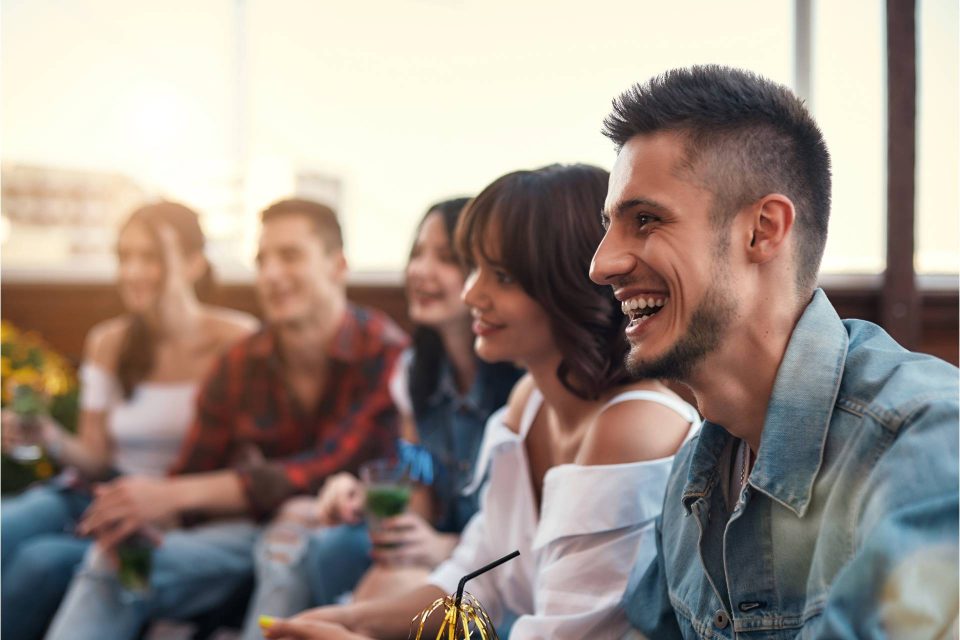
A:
(30, 377)
(28, 360)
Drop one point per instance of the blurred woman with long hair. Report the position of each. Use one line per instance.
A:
(139, 378)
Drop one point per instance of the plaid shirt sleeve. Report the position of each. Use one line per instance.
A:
(365, 427)
(209, 441)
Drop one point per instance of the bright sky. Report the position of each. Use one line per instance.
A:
(410, 101)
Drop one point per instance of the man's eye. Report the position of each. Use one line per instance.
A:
(643, 219)
(605, 223)
(503, 277)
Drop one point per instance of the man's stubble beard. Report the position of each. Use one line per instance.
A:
(708, 326)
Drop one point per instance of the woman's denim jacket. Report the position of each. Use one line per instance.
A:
(450, 426)
(847, 527)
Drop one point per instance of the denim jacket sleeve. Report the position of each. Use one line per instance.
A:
(902, 579)
(647, 599)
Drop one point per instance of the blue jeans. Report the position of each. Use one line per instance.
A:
(193, 571)
(39, 555)
(299, 568)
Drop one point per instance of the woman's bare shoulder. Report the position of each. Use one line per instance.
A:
(104, 342)
(518, 400)
(634, 430)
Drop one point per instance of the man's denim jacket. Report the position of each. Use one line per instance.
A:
(847, 527)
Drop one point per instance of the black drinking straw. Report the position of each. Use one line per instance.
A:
(471, 576)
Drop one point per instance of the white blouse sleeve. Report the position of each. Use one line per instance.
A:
(474, 551)
(471, 553)
(98, 388)
(597, 523)
(399, 384)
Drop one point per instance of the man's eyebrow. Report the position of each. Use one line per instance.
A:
(626, 205)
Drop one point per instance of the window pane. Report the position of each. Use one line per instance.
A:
(381, 105)
(938, 223)
(849, 103)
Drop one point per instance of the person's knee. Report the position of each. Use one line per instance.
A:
(333, 544)
(43, 563)
(38, 511)
(280, 549)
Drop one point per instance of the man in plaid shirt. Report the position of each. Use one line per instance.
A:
(305, 397)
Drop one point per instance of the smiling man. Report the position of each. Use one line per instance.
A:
(820, 499)
(302, 399)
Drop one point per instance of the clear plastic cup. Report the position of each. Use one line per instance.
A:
(388, 487)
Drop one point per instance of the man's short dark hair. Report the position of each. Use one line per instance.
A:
(322, 217)
(745, 137)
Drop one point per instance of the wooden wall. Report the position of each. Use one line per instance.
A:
(63, 313)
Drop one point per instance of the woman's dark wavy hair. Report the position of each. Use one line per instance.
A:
(138, 350)
(547, 222)
(428, 351)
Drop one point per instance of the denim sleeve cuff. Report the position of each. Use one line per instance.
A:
(266, 487)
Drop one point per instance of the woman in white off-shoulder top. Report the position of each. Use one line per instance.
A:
(577, 462)
(138, 384)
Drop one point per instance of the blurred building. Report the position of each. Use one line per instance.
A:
(53, 216)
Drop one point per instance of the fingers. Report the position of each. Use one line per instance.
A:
(341, 499)
(350, 508)
(110, 538)
(413, 553)
(405, 521)
(170, 247)
(279, 629)
(9, 419)
(109, 527)
(96, 521)
(12, 430)
(389, 538)
(173, 259)
(304, 629)
(153, 535)
(110, 507)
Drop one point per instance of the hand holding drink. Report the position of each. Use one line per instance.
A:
(23, 425)
(388, 489)
(135, 561)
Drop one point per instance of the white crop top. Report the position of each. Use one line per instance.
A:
(148, 429)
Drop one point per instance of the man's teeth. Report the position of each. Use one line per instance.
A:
(635, 304)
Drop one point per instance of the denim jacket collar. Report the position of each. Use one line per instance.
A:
(447, 391)
(798, 415)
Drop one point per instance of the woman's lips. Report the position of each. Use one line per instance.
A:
(482, 328)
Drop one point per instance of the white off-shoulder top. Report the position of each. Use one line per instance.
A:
(148, 428)
(595, 523)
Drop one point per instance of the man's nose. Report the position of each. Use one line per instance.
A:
(268, 268)
(612, 260)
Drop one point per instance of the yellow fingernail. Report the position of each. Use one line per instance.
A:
(267, 621)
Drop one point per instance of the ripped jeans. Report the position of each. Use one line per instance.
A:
(299, 567)
(193, 571)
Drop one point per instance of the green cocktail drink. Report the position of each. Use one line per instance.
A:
(386, 500)
(388, 492)
(136, 560)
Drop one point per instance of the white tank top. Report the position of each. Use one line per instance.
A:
(148, 429)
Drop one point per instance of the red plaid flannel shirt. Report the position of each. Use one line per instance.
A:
(246, 407)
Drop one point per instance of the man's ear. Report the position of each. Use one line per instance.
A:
(771, 220)
(340, 266)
